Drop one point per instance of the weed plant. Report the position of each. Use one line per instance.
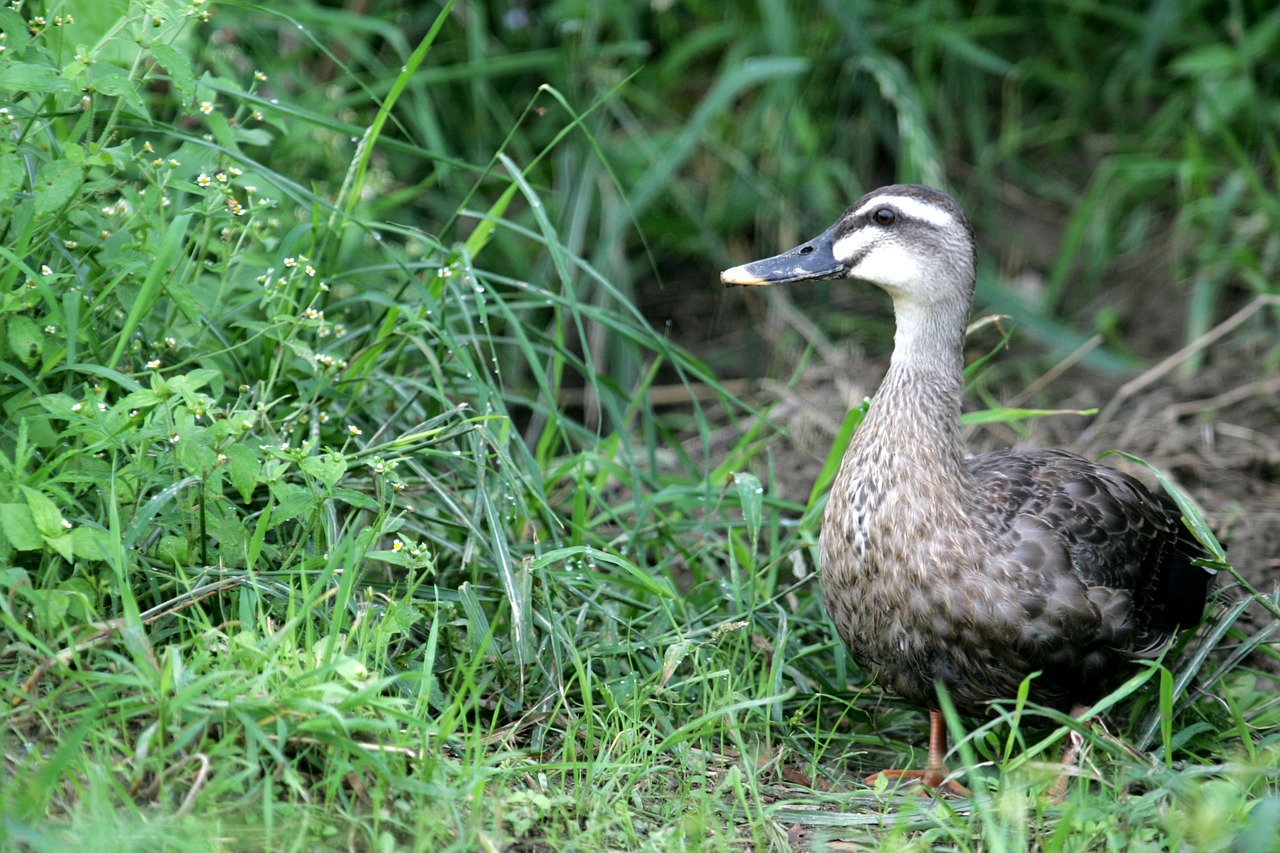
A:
(337, 510)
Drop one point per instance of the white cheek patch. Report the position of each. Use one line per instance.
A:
(890, 266)
(851, 245)
(911, 207)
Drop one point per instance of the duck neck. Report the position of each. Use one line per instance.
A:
(915, 416)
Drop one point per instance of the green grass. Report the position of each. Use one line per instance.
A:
(337, 508)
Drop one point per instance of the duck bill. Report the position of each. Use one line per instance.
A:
(810, 261)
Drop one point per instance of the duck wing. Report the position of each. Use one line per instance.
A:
(1102, 563)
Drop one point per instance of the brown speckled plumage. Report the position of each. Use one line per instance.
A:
(976, 572)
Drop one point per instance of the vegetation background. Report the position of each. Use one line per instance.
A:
(383, 467)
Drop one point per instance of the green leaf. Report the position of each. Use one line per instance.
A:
(89, 543)
(81, 596)
(188, 384)
(15, 27)
(351, 497)
(1210, 59)
(484, 227)
(143, 399)
(396, 558)
(221, 129)
(400, 617)
(173, 550)
(328, 468)
(12, 174)
(194, 455)
(58, 404)
(751, 497)
(160, 386)
(253, 136)
(51, 609)
(631, 574)
(31, 78)
(293, 501)
(115, 82)
(56, 183)
(179, 68)
(19, 527)
(14, 578)
(159, 272)
(243, 467)
(25, 339)
(63, 545)
(45, 513)
(1002, 415)
(675, 655)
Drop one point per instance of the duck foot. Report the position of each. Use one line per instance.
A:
(934, 779)
(934, 776)
(1070, 758)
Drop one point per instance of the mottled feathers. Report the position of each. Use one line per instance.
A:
(976, 573)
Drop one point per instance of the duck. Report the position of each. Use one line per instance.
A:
(971, 574)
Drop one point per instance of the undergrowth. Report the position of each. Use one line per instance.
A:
(337, 505)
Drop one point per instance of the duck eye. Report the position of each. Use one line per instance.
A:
(884, 216)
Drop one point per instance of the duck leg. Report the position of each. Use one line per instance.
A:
(935, 773)
(1070, 757)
